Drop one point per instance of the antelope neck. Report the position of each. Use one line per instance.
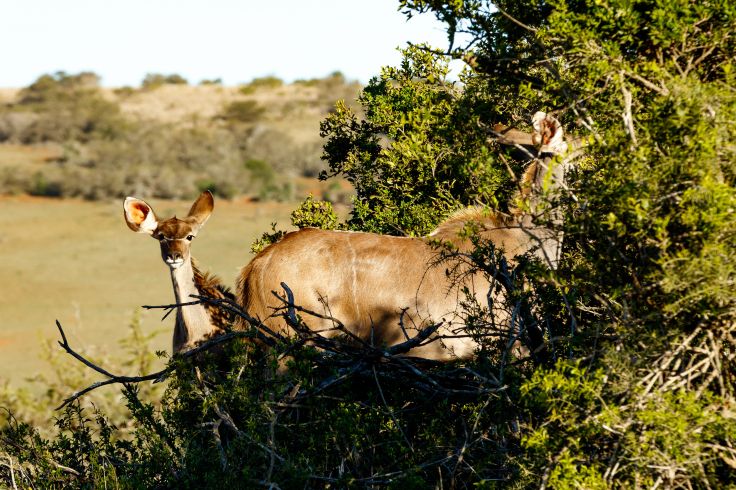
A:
(192, 321)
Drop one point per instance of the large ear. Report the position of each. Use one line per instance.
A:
(139, 216)
(202, 208)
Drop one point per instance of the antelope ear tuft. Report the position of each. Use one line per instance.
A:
(139, 216)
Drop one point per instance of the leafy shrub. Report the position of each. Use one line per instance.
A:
(124, 92)
(632, 383)
(107, 154)
(155, 80)
(65, 108)
(317, 214)
(41, 186)
(264, 180)
(14, 124)
(268, 83)
(279, 150)
(435, 158)
(266, 239)
(49, 87)
(155, 160)
(261, 172)
(242, 111)
(222, 189)
(225, 422)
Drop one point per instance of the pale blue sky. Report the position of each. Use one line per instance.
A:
(236, 40)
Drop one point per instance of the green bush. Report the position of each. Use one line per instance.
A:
(266, 239)
(242, 111)
(267, 83)
(155, 80)
(219, 188)
(41, 186)
(264, 180)
(261, 171)
(155, 160)
(317, 214)
(420, 152)
(65, 108)
(124, 92)
(108, 154)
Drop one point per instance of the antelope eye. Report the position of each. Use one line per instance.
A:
(190, 237)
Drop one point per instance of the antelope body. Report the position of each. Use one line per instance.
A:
(374, 284)
(380, 287)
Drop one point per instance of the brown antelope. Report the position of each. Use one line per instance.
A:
(380, 287)
(195, 322)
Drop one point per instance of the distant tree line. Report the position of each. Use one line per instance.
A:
(105, 153)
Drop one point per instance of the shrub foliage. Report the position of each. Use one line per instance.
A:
(634, 387)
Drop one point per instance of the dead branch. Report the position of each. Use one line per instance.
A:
(627, 115)
(122, 379)
(362, 359)
(340, 348)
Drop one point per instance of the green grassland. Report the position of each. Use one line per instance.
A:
(76, 261)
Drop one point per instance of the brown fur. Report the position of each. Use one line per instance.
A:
(368, 280)
(363, 279)
(211, 286)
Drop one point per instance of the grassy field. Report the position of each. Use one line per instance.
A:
(77, 262)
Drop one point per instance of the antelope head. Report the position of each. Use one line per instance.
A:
(174, 235)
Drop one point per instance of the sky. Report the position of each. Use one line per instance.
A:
(235, 40)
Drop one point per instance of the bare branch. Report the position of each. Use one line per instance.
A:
(628, 117)
(515, 20)
(121, 379)
(660, 89)
(354, 357)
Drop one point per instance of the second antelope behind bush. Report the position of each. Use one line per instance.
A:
(382, 288)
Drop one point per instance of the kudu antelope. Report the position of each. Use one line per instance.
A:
(380, 287)
(195, 322)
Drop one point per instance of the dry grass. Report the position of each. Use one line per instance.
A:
(295, 109)
(8, 95)
(77, 262)
(175, 103)
(34, 157)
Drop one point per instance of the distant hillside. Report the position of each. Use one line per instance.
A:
(65, 136)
